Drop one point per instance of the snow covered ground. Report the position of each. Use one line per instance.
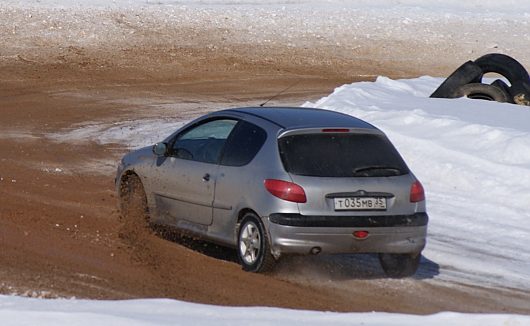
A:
(434, 34)
(494, 6)
(26, 311)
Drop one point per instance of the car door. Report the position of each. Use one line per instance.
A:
(235, 175)
(186, 177)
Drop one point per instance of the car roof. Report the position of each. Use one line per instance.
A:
(299, 117)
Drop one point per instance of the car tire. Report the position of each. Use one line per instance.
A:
(480, 91)
(503, 65)
(467, 73)
(499, 83)
(253, 247)
(133, 202)
(400, 265)
(520, 92)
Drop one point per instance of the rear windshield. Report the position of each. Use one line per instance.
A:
(341, 155)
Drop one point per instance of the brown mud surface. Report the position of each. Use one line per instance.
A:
(60, 230)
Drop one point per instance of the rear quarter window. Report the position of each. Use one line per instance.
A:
(340, 155)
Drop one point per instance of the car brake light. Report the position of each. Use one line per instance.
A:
(416, 192)
(286, 190)
(360, 234)
(336, 130)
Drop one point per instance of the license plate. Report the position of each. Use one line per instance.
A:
(359, 203)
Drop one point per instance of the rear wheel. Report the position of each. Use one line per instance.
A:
(253, 246)
(400, 265)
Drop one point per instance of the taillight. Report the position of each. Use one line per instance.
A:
(416, 192)
(286, 190)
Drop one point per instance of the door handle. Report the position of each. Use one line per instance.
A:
(206, 177)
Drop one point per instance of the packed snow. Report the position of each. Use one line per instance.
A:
(494, 6)
(449, 31)
(27, 311)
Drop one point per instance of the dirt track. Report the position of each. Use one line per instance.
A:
(60, 232)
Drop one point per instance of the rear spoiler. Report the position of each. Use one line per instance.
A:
(335, 130)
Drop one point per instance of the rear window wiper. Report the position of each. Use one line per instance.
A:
(365, 169)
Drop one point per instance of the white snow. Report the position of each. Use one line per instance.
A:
(495, 6)
(28, 311)
(414, 32)
(135, 133)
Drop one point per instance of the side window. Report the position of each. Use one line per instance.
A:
(204, 142)
(244, 143)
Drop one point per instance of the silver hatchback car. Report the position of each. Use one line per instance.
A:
(278, 181)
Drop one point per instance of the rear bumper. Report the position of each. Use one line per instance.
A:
(298, 234)
(418, 219)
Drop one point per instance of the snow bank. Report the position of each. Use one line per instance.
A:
(27, 311)
(473, 158)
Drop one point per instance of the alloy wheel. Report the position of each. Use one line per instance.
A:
(249, 243)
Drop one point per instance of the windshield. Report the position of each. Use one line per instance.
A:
(341, 155)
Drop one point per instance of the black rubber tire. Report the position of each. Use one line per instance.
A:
(503, 65)
(480, 91)
(133, 201)
(520, 92)
(400, 265)
(467, 73)
(499, 83)
(263, 261)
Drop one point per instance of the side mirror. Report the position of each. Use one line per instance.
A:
(160, 149)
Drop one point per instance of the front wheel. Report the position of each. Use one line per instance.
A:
(133, 202)
(400, 265)
(253, 246)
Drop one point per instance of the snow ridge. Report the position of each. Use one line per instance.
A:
(26, 311)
